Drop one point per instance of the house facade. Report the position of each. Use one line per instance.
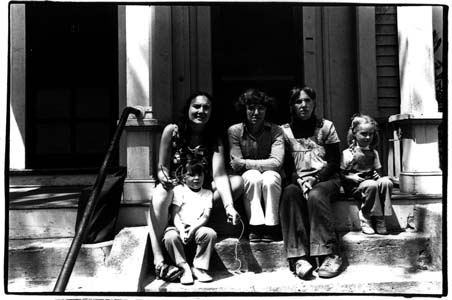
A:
(73, 68)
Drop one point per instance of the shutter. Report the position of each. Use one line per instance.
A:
(388, 86)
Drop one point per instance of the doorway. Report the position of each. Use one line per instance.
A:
(72, 84)
(260, 46)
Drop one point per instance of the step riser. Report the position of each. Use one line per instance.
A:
(60, 222)
(410, 251)
(45, 263)
(52, 180)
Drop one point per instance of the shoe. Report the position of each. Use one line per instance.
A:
(366, 223)
(201, 275)
(302, 268)
(331, 266)
(380, 225)
(271, 234)
(267, 238)
(187, 277)
(254, 237)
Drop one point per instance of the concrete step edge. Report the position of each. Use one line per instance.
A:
(354, 279)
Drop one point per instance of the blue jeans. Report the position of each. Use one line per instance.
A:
(308, 224)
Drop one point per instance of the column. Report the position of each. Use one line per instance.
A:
(419, 117)
(17, 87)
(141, 135)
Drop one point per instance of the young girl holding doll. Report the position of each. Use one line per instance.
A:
(361, 170)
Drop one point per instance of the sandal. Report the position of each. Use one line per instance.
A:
(167, 272)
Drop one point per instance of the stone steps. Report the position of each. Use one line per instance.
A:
(50, 212)
(406, 249)
(36, 264)
(357, 279)
(402, 260)
(42, 221)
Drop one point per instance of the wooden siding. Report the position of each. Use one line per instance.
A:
(388, 86)
(388, 90)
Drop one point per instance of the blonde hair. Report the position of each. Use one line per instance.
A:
(356, 121)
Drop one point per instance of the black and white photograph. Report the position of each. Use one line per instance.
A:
(224, 149)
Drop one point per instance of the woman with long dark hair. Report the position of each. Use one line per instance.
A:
(195, 136)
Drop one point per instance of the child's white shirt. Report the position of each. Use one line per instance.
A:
(192, 204)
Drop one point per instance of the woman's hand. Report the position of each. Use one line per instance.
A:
(237, 164)
(188, 234)
(165, 180)
(355, 178)
(232, 215)
(375, 175)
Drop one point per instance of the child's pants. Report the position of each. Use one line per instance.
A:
(376, 196)
(205, 238)
(262, 187)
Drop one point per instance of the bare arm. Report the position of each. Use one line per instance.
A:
(222, 183)
(163, 173)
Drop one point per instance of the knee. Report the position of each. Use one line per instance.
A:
(271, 179)
(291, 193)
(385, 182)
(211, 234)
(252, 177)
(370, 185)
(170, 237)
(161, 198)
(317, 195)
(208, 234)
(237, 185)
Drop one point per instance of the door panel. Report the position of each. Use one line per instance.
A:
(256, 45)
(72, 81)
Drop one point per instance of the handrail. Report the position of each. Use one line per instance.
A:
(79, 237)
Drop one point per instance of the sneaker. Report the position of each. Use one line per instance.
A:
(302, 268)
(380, 225)
(201, 275)
(254, 237)
(331, 266)
(366, 223)
(187, 277)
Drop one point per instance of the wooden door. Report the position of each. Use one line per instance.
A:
(256, 45)
(72, 83)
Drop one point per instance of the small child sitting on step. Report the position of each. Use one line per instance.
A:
(361, 175)
(190, 211)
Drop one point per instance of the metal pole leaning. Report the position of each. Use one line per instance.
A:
(71, 257)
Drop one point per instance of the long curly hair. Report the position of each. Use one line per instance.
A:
(253, 96)
(356, 121)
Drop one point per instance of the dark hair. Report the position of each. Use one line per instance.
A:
(209, 129)
(359, 119)
(253, 96)
(295, 94)
(296, 91)
(194, 167)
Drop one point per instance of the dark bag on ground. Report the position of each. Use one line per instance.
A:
(103, 221)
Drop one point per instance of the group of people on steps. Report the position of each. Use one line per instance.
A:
(285, 175)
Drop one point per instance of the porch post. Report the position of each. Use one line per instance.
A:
(141, 135)
(17, 87)
(419, 117)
